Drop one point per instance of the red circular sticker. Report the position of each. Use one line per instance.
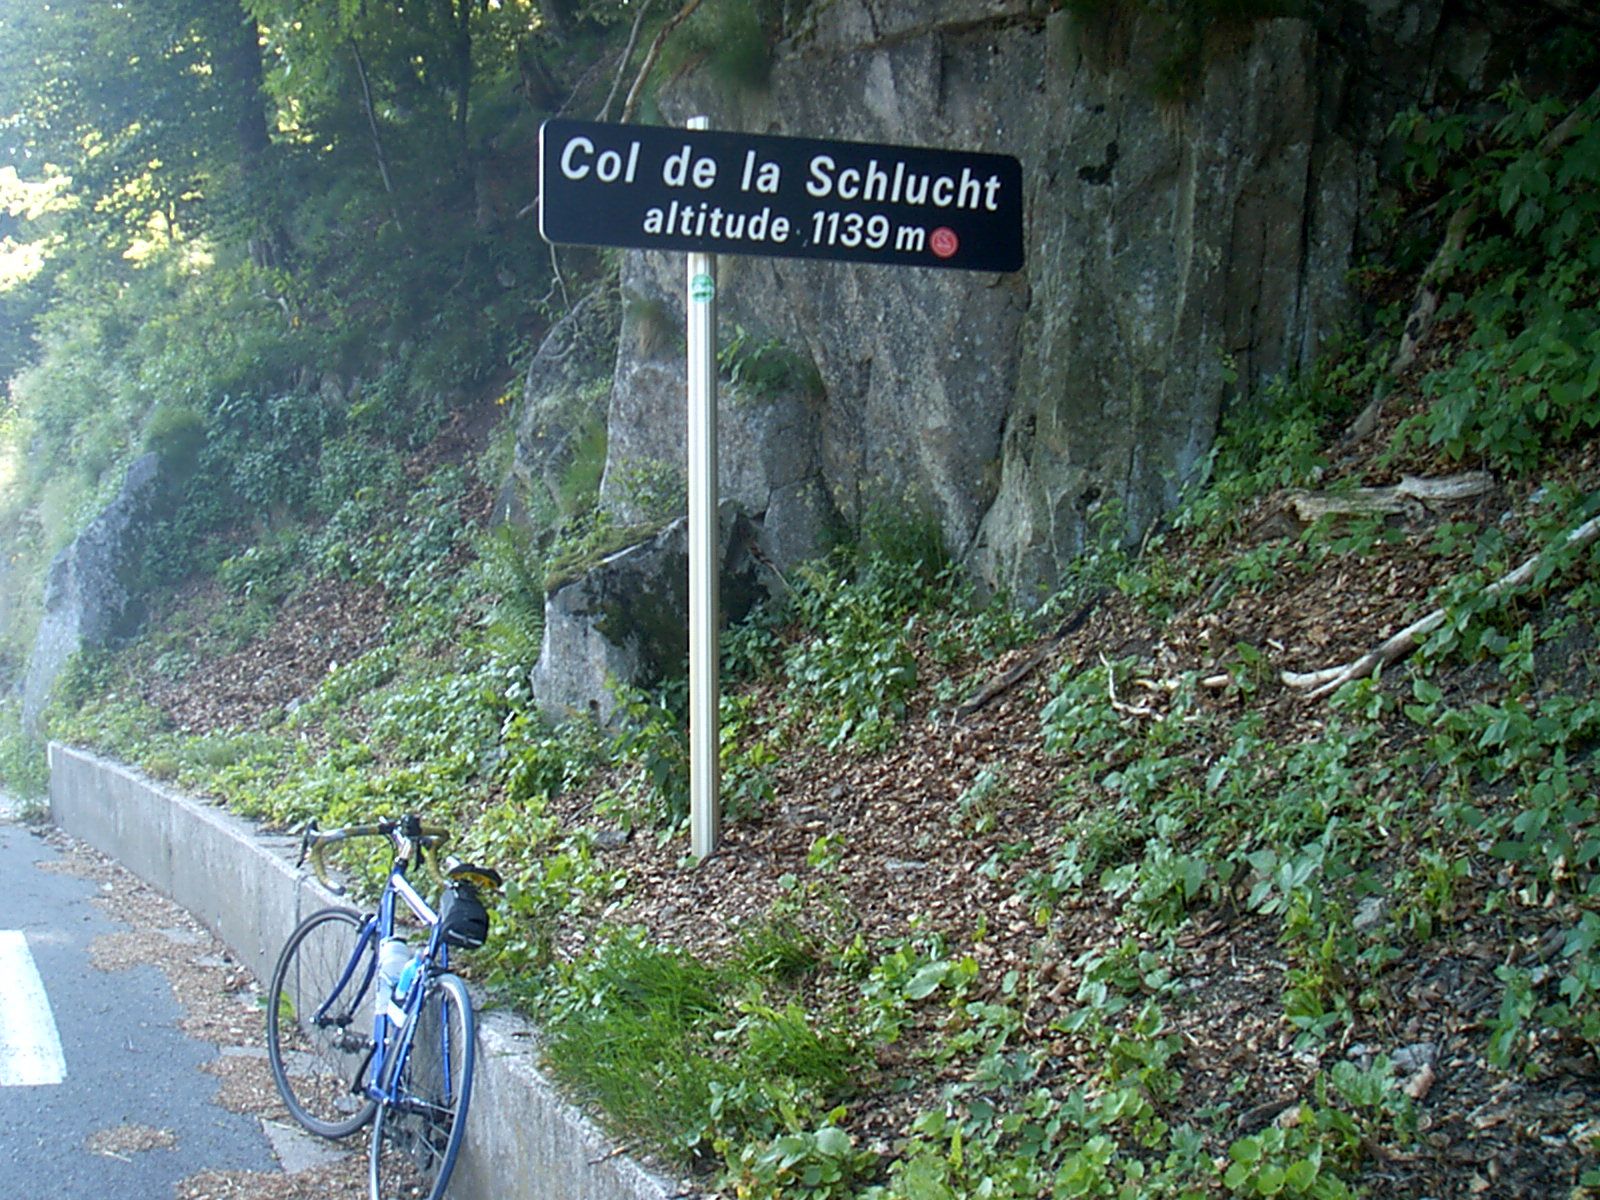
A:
(944, 242)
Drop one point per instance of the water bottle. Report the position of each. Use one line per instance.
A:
(408, 976)
(404, 980)
(394, 956)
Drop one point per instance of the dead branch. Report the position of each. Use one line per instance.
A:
(1003, 683)
(1412, 494)
(376, 134)
(1211, 683)
(1009, 679)
(1317, 684)
(622, 63)
(678, 18)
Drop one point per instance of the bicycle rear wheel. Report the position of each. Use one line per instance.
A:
(317, 1061)
(418, 1133)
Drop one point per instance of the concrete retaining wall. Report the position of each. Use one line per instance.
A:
(523, 1141)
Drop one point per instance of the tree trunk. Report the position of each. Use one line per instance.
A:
(377, 134)
(238, 60)
(463, 84)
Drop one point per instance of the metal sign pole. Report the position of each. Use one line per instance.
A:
(704, 192)
(705, 804)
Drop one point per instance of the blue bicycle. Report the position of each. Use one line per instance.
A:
(363, 1027)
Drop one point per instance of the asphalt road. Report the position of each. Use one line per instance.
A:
(122, 1108)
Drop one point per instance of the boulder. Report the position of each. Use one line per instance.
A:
(88, 601)
(626, 620)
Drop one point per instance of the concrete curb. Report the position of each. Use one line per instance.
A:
(524, 1142)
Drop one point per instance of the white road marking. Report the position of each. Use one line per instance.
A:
(30, 1048)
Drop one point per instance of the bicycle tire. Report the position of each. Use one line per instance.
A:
(318, 1070)
(417, 1136)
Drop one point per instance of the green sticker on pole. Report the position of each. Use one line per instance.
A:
(702, 289)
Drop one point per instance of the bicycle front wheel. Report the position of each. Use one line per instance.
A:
(319, 1023)
(423, 1118)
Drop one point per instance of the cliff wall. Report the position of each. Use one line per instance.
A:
(1183, 248)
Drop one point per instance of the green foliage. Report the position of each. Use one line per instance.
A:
(760, 368)
(748, 754)
(1277, 440)
(655, 735)
(632, 1001)
(24, 766)
(821, 1163)
(512, 573)
(580, 482)
(660, 1041)
(541, 762)
(654, 738)
(905, 975)
(653, 490)
(1288, 1162)
(273, 293)
(858, 674)
(412, 560)
(981, 805)
(861, 611)
(1527, 377)
(176, 432)
(729, 37)
(79, 81)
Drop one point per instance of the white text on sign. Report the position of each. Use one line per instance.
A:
(875, 183)
(721, 192)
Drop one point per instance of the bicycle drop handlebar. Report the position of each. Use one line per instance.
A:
(407, 833)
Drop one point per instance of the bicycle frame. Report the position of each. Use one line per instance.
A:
(436, 958)
(410, 1082)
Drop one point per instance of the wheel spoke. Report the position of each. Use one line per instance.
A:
(316, 1039)
(419, 1130)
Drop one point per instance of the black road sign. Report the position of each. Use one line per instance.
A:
(655, 188)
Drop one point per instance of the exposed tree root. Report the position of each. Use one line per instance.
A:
(1328, 680)
(1411, 495)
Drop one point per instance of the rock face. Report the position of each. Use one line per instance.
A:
(1181, 252)
(769, 436)
(1171, 257)
(87, 602)
(564, 391)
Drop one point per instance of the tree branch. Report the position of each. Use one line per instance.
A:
(678, 18)
(622, 63)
